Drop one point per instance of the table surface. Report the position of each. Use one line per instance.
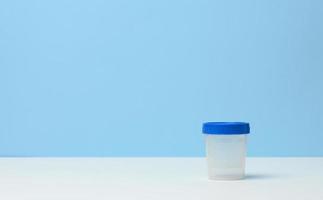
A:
(156, 178)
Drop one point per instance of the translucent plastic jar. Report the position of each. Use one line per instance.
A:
(226, 149)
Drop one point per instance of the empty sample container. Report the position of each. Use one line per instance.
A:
(226, 149)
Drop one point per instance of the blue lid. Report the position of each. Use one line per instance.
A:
(226, 128)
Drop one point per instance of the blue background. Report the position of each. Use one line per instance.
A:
(138, 78)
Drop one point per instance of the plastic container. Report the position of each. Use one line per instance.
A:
(226, 149)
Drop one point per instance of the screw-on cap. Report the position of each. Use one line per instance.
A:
(226, 128)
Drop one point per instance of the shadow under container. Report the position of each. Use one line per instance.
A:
(226, 145)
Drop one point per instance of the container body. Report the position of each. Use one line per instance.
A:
(226, 156)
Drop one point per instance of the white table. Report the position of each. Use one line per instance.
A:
(156, 178)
